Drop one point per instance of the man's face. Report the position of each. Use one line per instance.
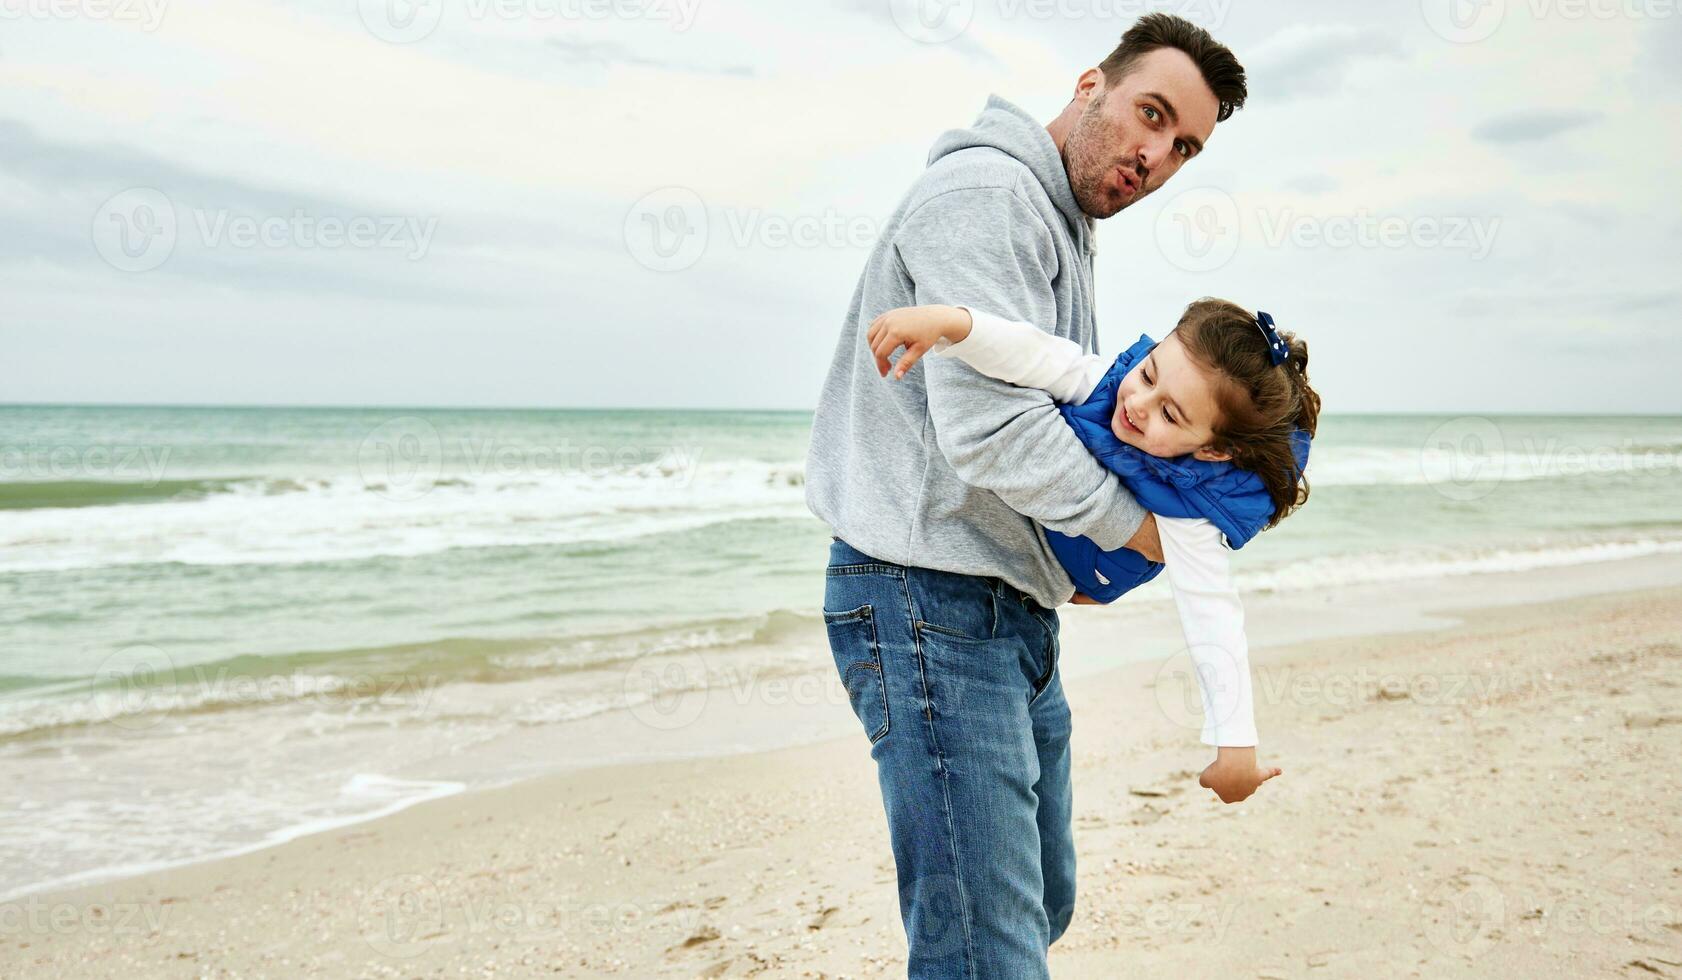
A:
(1131, 138)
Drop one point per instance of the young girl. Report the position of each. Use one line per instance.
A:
(1209, 429)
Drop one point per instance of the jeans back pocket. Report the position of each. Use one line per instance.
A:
(852, 641)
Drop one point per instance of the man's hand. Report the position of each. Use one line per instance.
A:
(917, 329)
(1234, 774)
(1145, 540)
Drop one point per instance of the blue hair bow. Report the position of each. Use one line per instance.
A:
(1276, 348)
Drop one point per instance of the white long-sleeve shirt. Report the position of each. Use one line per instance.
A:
(1194, 549)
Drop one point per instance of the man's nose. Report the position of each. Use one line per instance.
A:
(1157, 153)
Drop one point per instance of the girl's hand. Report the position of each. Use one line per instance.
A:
(917, 329)
(1234, 774)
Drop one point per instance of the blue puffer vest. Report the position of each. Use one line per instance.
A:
(1234, 499)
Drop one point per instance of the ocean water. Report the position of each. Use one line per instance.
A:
(227, 626)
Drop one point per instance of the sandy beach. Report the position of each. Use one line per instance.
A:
(1489, 790)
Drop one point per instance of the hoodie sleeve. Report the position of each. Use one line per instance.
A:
(987, 248)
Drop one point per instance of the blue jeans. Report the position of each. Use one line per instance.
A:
(954, 678)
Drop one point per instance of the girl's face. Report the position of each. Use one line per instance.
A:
(1166, 405)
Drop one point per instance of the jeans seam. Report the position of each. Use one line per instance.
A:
(865, 614)
(1051, 651)
(866, 568)
(945, 785)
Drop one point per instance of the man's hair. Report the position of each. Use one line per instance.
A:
(1220, 68)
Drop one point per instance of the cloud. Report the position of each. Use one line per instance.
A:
(607, 53)
(1576, 303)
(1315, 60)
(964, 43)
(1532, 125)
(63, 186)
(1313, 184)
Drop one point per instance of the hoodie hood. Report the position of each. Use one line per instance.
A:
(1004, 127)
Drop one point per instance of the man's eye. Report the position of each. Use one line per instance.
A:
(1150, 113)
(1182, 148)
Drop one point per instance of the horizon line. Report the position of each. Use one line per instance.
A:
(712, 409)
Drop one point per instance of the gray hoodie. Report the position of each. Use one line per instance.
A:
(949, 469)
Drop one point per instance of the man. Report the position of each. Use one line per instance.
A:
(941, 590)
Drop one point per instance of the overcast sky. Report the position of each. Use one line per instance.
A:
(1463, 205)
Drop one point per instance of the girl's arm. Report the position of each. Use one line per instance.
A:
(1212, 618)
(1015, 353)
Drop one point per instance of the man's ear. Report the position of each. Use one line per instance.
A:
(1090, 83)
(1209, 454)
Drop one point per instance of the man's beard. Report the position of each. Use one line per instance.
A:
(1089, 165)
